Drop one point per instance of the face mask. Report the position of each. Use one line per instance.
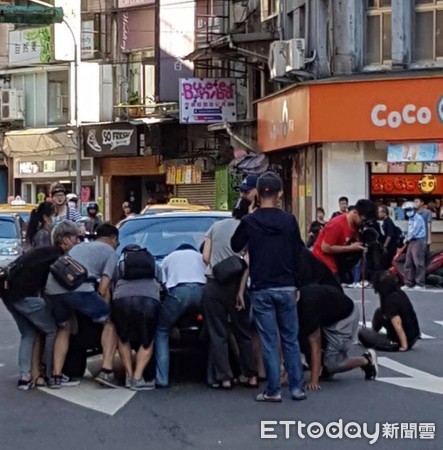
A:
(410, 213)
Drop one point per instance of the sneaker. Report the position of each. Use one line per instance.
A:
(107, 379)
(128, 382)
(142, 385)
(371, 369)
(25, 385)
(406, 288)
(68, 381)
(418, 288)
(365, 285)
(351, 286)
(298, 394)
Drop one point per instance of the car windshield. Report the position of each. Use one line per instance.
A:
(162, 235)
(8, 229)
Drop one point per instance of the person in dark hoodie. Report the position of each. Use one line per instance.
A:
(272, 239)
(396, 314)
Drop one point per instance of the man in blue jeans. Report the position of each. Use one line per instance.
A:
(184, 278)
(273, 241)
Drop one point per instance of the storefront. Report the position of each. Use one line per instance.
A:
(38, 157)
(124, 174)
(193, 180)
(352, 127)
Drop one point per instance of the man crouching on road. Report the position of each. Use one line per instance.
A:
(100, 260)
(328, 321)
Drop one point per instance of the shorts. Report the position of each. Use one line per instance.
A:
(135, 319)
(88, 303)
(339, 339)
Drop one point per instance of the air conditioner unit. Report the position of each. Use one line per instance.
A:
(10, 104)
(277, 59)
(295, 55)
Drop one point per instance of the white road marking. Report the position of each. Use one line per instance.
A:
(90, 394)
(439, 322)
(383, 330)
(2, 365)
(418, 379)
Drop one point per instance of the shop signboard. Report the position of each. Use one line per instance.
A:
(207, 100)
(30, 46)
(407, 184)
(131, 3)
(185, 174)
(415, 152)
(391, 110)
(113, 139)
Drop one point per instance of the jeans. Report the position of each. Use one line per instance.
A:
(32, 316)
(88, 303)
(178, 301)
(415, 265)
(276, 315)
(357, 272)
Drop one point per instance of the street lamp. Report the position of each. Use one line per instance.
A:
(74, 70)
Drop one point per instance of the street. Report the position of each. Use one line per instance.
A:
(191, 415)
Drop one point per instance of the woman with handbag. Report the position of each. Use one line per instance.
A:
(223, 304)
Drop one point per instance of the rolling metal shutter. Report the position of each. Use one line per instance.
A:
(203, 194)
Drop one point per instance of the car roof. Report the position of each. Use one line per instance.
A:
(172, 214)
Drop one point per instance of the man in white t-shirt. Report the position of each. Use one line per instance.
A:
(184, 278)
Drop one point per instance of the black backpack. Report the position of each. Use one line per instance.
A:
(399, 237)
(28, 273)
(136, 263)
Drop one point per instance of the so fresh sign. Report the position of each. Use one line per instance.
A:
(383, 116)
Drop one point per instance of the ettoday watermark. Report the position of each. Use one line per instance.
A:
(297, 429)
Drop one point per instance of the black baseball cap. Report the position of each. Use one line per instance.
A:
(269, 183)
(249, 183)
(57, 189)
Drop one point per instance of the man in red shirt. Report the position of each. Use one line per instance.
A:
(336, 236)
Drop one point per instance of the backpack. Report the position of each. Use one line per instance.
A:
(136, 263)
(28, 272)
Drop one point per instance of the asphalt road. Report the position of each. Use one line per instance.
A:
(191, 416)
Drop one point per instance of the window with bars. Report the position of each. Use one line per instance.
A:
(428, 31)
(378, 32)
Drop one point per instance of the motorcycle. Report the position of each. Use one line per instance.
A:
(434, 267)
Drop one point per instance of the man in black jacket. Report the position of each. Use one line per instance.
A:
(22, 295)
(272, 239)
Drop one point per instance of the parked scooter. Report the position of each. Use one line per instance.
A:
(434, 267)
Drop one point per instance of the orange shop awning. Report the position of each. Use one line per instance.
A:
(365, 110)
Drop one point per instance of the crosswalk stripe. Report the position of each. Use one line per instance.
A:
(439, 322)
(91, 395)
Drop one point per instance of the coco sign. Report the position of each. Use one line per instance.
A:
(382, 115)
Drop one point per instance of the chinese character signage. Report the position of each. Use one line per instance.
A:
(407, 184)
(88, 39)
(415, 152)
(113, 139)
(30, 46)
(207, 100)
(187, 174)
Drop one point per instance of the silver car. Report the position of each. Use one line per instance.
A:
(11, 239)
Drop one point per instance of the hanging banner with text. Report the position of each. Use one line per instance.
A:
(422, 152)
(207, 100)
(183, 175)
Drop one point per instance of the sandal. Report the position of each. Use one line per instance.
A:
(246, 382)
(263, 397)
(41, 381)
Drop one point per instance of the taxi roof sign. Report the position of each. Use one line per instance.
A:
(18, 201)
